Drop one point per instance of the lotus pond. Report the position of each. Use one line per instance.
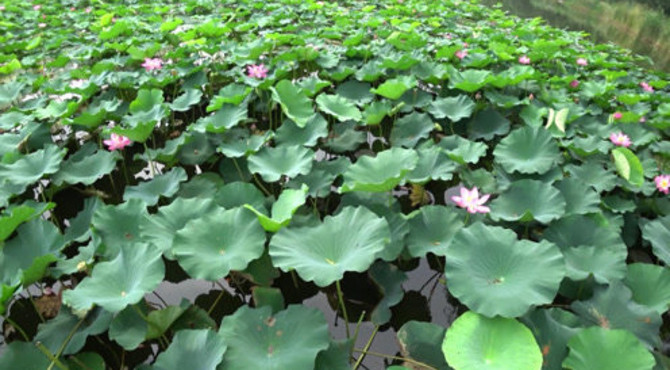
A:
(479, 191)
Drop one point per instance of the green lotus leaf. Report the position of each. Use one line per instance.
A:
(552, 328)
(412, 100)
(29, 168)
(55, 332)
(112, 287)
(237, 194)
(477, 342)
(487, 124)
(340, 107)
(85, 361)
(267, 296)
(293, 101)
(577, 231)
(159, 321)
(211, 246)
(421, 341)
(23, 355)
(336, 356)
(183, 102)
(348, 241)
(257, 339)
(238, 142)
(462, 150)
(6, 293)
(196, 149)
(312, 85)
(192, 349)
(225, 118)
(375, 112)
(371, 71)
(650, 285)
(603, 348)
(119, 225)
(160, 228)
(230, 94)
(128, 328)
(604, 264)
(579, 198)
(202, 185)
(398, 226)
(470, 80)
(381, 173)
(527, 150)
(494, 274)
(165, 185)
(513, 75)
(527, 200)
(657, 232)
(15, 216)
(86, 166)
(395, 87)
(628, 166)
(593, 174)
(389, 280)
(408, 130)
(434, 164)
(36, 245)
(431, 229)
(358, 92)
(274, 162)
(454, 108)
(612, 307)
(282, 210)
(343, 137)
(9, 91)
(291, 134)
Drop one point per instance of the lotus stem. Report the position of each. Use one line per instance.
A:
(17, 327)
(54, 360)
(366, 348)
(50, 356)
(383, 355)
(340, 297)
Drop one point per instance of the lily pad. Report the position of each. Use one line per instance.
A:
(340, 107)
(381, 173)
(657, 232)
(527, 200)
(165, 185)
(603, 348)
(650, 285)
(85, 166)
(527, 150)
(192, 349)
(454, 108)
(274, 162)
(410, 129)
(431, 229)
(282, 210)
(421, 341)
(294, 102)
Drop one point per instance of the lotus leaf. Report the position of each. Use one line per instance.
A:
(527, 200)
(381, 173)
(410, 129)
(338, 106)
(657, 232)
(282, 210)
(650, 285)
(527, 150)
(293, 101)
(603, 348)
(273, 163)
(165, 185)
(454, 108)
(192, 349)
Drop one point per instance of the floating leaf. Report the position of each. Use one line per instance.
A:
(381, 173)
(527, 200)
(339, 107)
(192, 349)
(410, 129)
(455, 108)
(603, 348)
(628, 166)
(282, 210)
(274, 162)
(657, 232)
(431, 229)
(294, 103)
(650, 285)
(527, 150)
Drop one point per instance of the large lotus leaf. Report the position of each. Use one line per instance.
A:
(657, 232)
(293, 101)
(494, 274)
(650, 285)
(160, 228)
(344, 137)
(475, 342)
(381, 173)
(628, 166)
(578, 230)
(239, 142)
(395, 87)
(340, 107)
(552, 328)
(202, 185)
(408, 130)
(237, 194)
(129, 328)
(389, 280)
(594, 174)
(313, 84)
(612, 307)
(470, 80)
(196, 149)
(527, 200)
(55, 332)
(230, 94)
(454, 108)
(16, 216)
(23, 355)
(359, 92)
(398, 225)
(86, 166)
(119, 225)
(375, 112)
(192, 349)
(36, 245)
(282, 210)
(211, 246)
(225, 118)
(165, 185)
(603, 348)
(135, 271)
(433, 164)
(291, 134)
(604, 264)
(10, 91)
(462, 150)
(527, 150)
(29, 168)
(431, 229)
(579, 198)
(487, 124)
(348, 241)
(336, 356)
(291, 339)
(421, 341)
(183, 102)
(274, 162)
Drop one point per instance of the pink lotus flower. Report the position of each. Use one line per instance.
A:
(257, 71)
(117, 142)
(617, 115)
(77, 84)
(471, 200)
(151, 64)
(643, 119)
(620, 139)
(37, 7)
(646, 87)
(524, 59)
(2, 7)
(574, 84)
(88, 10)
(582, 62)
(42, 25)
(663, 183)
(461, 54)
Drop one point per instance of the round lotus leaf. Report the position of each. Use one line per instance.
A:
(527, 200)
(579, 198)
(69, 329)
(487, 124)
(657, 232)
(527, 150)
(410, 129)
(165, 185)
(476, 342)
(552, 328)
(604, 264)
(273, 162)
(86, 166)
(602, 348)
(381, 173)
(293, 101)
(257, 339)
(291, 134)
(211, 246)
(339, 107)
(455, 108)
(432, 229)
(119, 225)
(494, 274)
(135, 271)
(650, 285)
(421, 341)
(192, 349)
(29, 168)
(577, 231)
(348, 241)
(23, 355)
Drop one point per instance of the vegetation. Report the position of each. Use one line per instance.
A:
(279, 148)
